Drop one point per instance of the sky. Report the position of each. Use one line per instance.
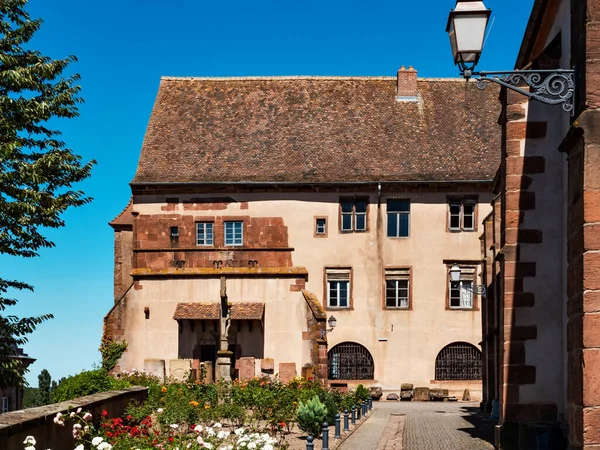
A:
(125, 46)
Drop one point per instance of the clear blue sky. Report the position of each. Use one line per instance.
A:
(125, 46)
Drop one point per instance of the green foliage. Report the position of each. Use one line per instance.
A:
(37, 170)
(111, 352)
(361, 394)
(44, 384)
(31, 397)
(311, 415)
(86, 383)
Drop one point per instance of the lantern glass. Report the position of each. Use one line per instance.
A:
(455, 273)
(332, 322)
(466, 28)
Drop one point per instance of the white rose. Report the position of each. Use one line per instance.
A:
(29, 440)
(96, 441)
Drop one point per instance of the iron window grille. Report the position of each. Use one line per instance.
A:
(398, 218)
(204, 233)
(338, 288)
(350, 361)
(458, 361)
(353, 215)
(461, 214)
(397, 292)
(461, 291)
(234, 233)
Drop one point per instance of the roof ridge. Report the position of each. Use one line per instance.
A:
(279, 78)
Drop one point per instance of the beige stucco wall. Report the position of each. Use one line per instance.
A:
(404, 344)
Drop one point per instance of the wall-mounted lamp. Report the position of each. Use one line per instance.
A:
(332, 323)
(466, 27)
(455, 276)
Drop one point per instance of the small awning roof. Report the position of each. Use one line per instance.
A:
(211, 311)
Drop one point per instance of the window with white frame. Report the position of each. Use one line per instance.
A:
(205, 233)
(4, 404)
(338, 288)
(234, 233)
(398, 218)
(321, 226)
(397, 288)
(461, 291)
(461, 214)
(353, 214)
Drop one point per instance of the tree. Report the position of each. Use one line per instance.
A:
(44, 383)
(37, 170)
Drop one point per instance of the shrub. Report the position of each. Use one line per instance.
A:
(87, 382)
(361, 394)
(311, 415)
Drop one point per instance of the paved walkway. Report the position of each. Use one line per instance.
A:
(421, 426)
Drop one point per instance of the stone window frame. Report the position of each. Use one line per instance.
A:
(353, 200)
(398, 213)
(326, 288)
(474, 265)
(409, 269)
(462, 199)
(205, 223)
(234, 244)
(316, 233)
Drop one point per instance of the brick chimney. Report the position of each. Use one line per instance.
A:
(407, 85)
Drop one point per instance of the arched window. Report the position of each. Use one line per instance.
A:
(349, 361)
(458, 361)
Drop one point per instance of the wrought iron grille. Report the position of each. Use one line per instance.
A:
(350, 361)
(458, 361)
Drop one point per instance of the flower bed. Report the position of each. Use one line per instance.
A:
(256, 414)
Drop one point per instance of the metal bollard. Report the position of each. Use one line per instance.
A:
(370, 402)
(362, 408)
(337, 427)
(325, 436)
(358, 411)
(353, 414)
(309, 443)
(365, 407)
(346, 427)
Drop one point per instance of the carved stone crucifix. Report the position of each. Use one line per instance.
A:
(224, 355)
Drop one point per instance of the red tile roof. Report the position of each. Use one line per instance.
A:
(124, 218)
(211, 311)
(319, 130)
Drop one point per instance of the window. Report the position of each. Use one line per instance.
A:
(461, 295)
(458, 361)
(350, 361)
(397, 288)
(461, 214)
(234, 233)
(4, 404)
(205, 233)
(338, 288)
(321, 227)
(353, 215)
(398, 218)
(174, 233)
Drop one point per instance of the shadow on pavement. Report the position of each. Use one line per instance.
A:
(483, 428)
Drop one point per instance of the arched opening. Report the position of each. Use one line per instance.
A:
(349, 361)
(458, 361)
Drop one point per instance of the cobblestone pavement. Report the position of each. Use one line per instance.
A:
(427, 426)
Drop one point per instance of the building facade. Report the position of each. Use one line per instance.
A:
(312, 197)
(11, 398)
(541, 346)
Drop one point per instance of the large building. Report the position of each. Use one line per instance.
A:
(542, 243)
(313, 197)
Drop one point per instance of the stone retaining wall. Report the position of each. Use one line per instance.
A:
(15, 426)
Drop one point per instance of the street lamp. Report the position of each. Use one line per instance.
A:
(455, 276)
(332, 323)
(466, 28)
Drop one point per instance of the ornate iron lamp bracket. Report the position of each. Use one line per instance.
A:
(479, 290)
(553, 87)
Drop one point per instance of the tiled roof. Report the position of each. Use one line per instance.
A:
(125, 217)
(211, 311)
(319, 130)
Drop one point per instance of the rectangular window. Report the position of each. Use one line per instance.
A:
(398, 218)
(338, 288)
(4, 403)
(461, 291)
(397, 288)
(320, 226)
(353, 215)
(461, 214)
(234, 233)
(204, 233)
